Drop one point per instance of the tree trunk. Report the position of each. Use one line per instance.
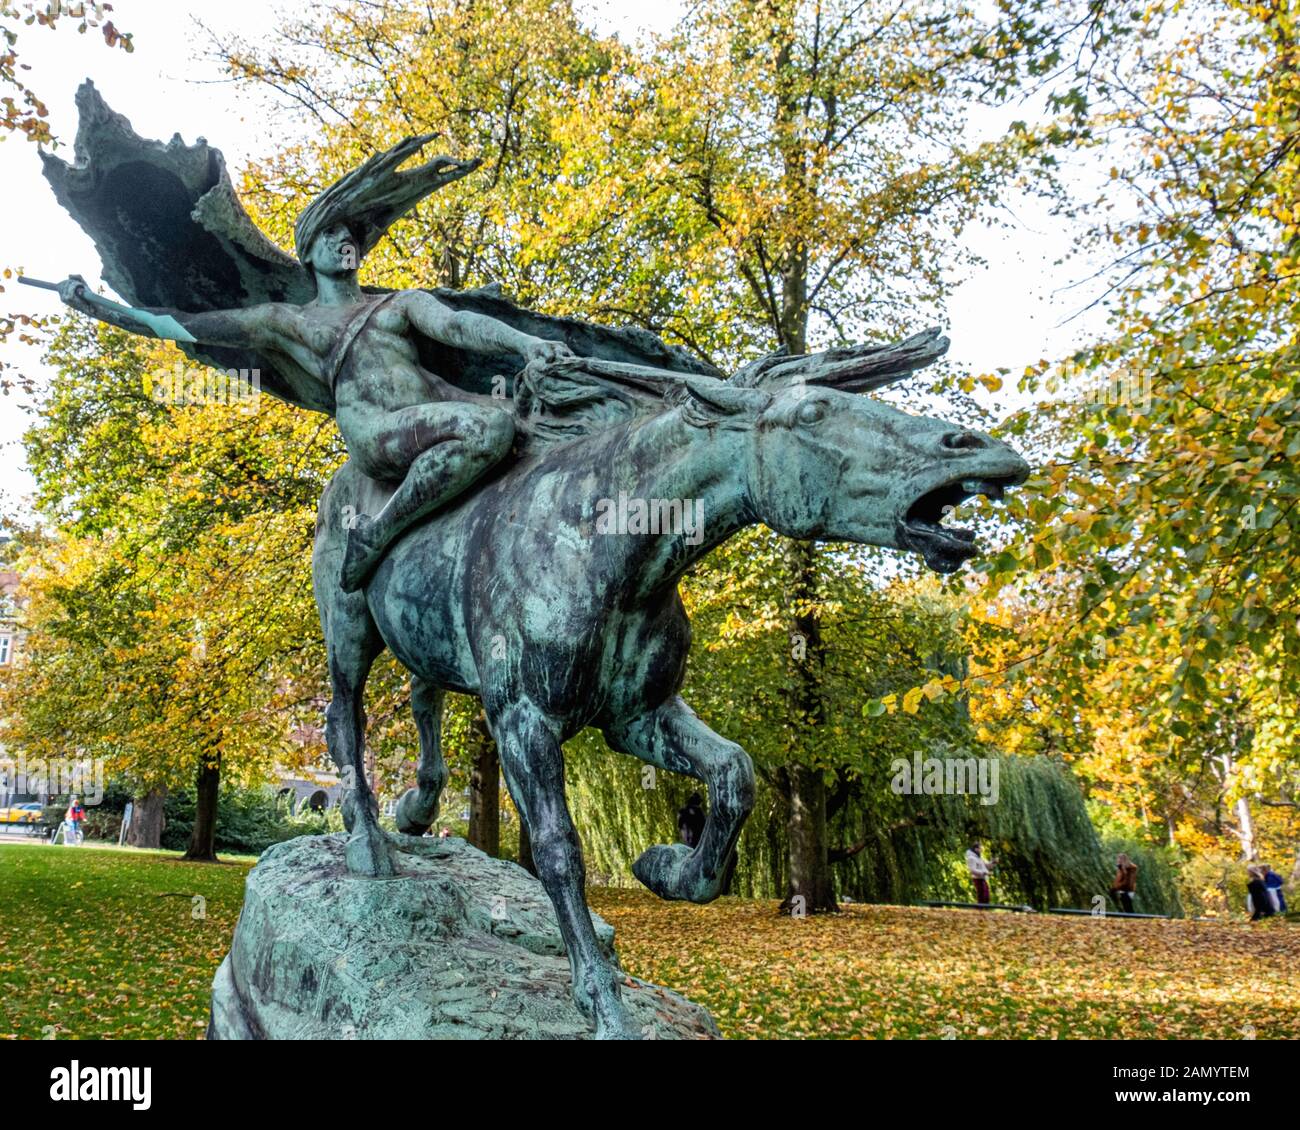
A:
(805, 792)
(1245, 829)
(526, 849)
(484, 789)
(1245, 825)
(810, 890)
(203, 840)
(147, 820)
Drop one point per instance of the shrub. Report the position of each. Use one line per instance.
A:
(248, 821)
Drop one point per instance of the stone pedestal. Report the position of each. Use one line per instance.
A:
(459, 946)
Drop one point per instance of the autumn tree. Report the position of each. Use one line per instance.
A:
(25, 113)
(171, 626)
(1162, 531)
(778, 173)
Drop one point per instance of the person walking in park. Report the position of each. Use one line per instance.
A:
(1273, 882)
(690, 821)
(1125, 886)
(980, 869)
(73, 818)
(1261, 906)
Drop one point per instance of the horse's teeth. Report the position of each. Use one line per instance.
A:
(980, 486)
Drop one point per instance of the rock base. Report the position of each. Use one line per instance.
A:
(460, 946)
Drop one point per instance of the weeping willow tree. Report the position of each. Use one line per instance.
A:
(1039, 833)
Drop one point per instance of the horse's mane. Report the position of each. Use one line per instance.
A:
(558, 402)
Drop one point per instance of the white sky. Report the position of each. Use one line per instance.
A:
(1010, 315)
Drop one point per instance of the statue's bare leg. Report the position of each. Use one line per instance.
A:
(353, 646)
(418, 808)
(436, 450)
(533, 763)
(672, 737)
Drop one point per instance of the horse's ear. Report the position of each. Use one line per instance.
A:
(713, 398)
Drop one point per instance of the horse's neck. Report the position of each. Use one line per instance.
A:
(692, 477)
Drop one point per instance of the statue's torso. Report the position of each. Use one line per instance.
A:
(380, 371)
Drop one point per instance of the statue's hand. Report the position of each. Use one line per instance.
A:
(74, 291)
(543, 350)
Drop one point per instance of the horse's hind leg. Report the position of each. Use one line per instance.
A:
(353, 646)
(418, 808)
(672, 737)
(533, 763)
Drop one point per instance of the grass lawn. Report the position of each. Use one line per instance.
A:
(109, 943)
(105, 942)
(891, 972)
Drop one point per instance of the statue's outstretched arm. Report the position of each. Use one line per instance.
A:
(289, 371)
(478, 333)
(250, 328)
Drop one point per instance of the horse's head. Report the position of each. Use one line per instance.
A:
(826, 462)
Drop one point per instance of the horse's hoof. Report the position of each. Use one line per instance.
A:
(672, 872)
(368, 853)
(660, 868)
(413, 817)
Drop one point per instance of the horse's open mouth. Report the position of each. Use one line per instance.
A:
(922, 530)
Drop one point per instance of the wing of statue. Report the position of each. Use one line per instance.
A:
(171, 232)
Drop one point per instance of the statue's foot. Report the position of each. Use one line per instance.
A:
(672, 872)
(368, 853)
(361, 556)
(416, 812)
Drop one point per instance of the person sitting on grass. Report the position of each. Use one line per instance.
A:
(1259, 904)
(1273, 882)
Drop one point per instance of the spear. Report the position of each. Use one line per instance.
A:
(29, 281)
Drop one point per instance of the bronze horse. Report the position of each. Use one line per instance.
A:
(515, 594)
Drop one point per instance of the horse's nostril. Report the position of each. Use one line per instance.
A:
(959, 440)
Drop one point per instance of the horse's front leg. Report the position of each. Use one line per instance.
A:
(353, 645)
(533, 763)
(672, 737)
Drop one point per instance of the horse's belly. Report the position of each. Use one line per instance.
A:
(414, 598)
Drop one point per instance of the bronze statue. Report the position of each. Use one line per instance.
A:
(464, 532)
